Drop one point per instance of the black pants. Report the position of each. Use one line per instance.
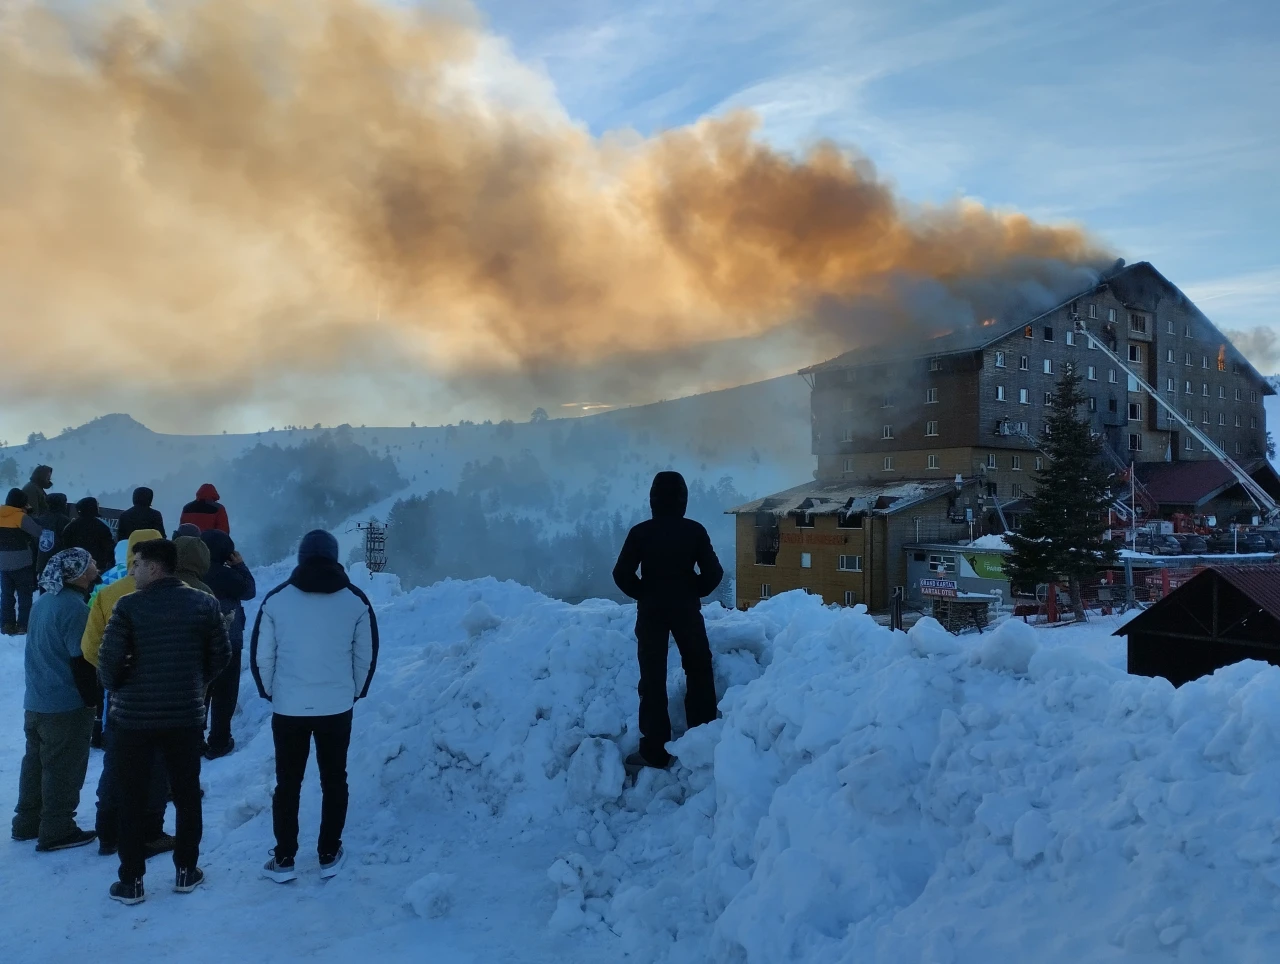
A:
(108, 821)
(17, 586)
(654, 627)
(135, 752)
(293, 735)
(223, 695)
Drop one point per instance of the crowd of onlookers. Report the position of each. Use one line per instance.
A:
(134, 645)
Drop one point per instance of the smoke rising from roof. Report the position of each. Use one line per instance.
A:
(221, 194)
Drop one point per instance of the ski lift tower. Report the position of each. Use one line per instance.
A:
(375, 544)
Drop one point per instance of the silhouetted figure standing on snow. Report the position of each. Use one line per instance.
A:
(668, 592)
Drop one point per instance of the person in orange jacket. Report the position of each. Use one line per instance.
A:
(206, 512)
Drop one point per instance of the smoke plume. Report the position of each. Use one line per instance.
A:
(207, 199)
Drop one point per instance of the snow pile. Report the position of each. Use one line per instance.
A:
(990, 542)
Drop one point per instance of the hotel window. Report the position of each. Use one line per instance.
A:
(1204, 361)
(1204, 416)
(1222, 418)
(935, 364)
(1113, 406)
(1253, 421)
(1028, 332)
(1070, 337)
(1135, 411)
(1111, 375)
(1111, 314)
(1187, 331)
(1188, 444)
(764, 590)
(1168, 327)
(1022, 397)
(1253, 396)
(1189, 389)
(1132, 382)
(1093, 404)
(1170, 386)
(1015, 491)
(931, 396)
(1138, 323)
(1204, 389)
(1189, 414)
(941, 563)
(888, 463)
(933, 462)
(1048, 333)
(930, 428)
(1238, 398)
(1237, 421)
(806, 560)
(1048, 366)
(1222, 391)
(1039, 463)
(1024, 364)
(991, 460)
(1168, 356)
(1092, 374)
(850, 563)
(886, 432)
(1048, 398)
(1135, 442)
(887, 402)
(848, 465)
(1016, 463)
(999, 393)
(1237, 448)
(848, 435)
(1135, 353)
(999, 359)
(1093, 311)
(1186, 359)
(850, 597)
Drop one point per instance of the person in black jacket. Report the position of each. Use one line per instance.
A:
(666, 549)
(90, 533)
(140, 515)
(230, 580)
(53, 523)
(164, 645)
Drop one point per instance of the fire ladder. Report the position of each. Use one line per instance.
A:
(1261, 498)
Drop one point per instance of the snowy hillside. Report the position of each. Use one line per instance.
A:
(867, 796)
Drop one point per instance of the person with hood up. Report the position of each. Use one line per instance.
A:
(90, 533)
(101, 606)
(313, 652)
(53, 522)
(233, 584)
(193, 562)
(678, 568)
(164, 646)
(57, 714)
(206, 512)
(41, 482)
(139, 516)
(19, 538)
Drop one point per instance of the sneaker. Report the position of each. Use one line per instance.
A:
(330, 864)
(637, 760)
(280, 869)
(213, 752)
(188, 879)
(130, 893)
(107, 848)
(77, 838)
(162, 844)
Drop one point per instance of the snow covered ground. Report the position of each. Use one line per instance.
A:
(867, 796)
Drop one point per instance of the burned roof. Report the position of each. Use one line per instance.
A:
(849, 497)
(1196, 482)
(1133, 285)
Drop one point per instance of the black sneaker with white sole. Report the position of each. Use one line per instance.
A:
(188, 879)
(330, 864)
(280, 869)
(128, 893)
(77, 838)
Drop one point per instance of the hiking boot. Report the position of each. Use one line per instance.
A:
(130, 893)
(107, 848)
(19, 630)
(162, 844)
(280, 869)
(77, 838)
(330, 864)
(21, 836)
(214, 751)
(188, 879)
(637, 760)
(9, 629)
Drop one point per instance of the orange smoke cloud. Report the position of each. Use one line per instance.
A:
(215, 191)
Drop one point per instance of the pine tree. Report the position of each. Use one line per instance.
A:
(1062, 536)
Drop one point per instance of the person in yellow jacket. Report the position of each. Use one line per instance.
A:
(101, 607)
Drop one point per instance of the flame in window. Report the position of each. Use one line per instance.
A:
(1222, 358)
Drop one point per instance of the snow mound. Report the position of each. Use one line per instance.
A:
(865, 795)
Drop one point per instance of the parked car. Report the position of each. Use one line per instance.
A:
(1239, 542)
(1192, 544)
(1253, 542)
(1271, 537)
(1156, 545)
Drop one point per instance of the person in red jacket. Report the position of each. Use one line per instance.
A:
(206, 512)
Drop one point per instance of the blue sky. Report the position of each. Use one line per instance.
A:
(1154, 124)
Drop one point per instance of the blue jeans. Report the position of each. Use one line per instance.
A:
(19, 584)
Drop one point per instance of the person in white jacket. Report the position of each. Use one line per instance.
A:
(313, 652)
